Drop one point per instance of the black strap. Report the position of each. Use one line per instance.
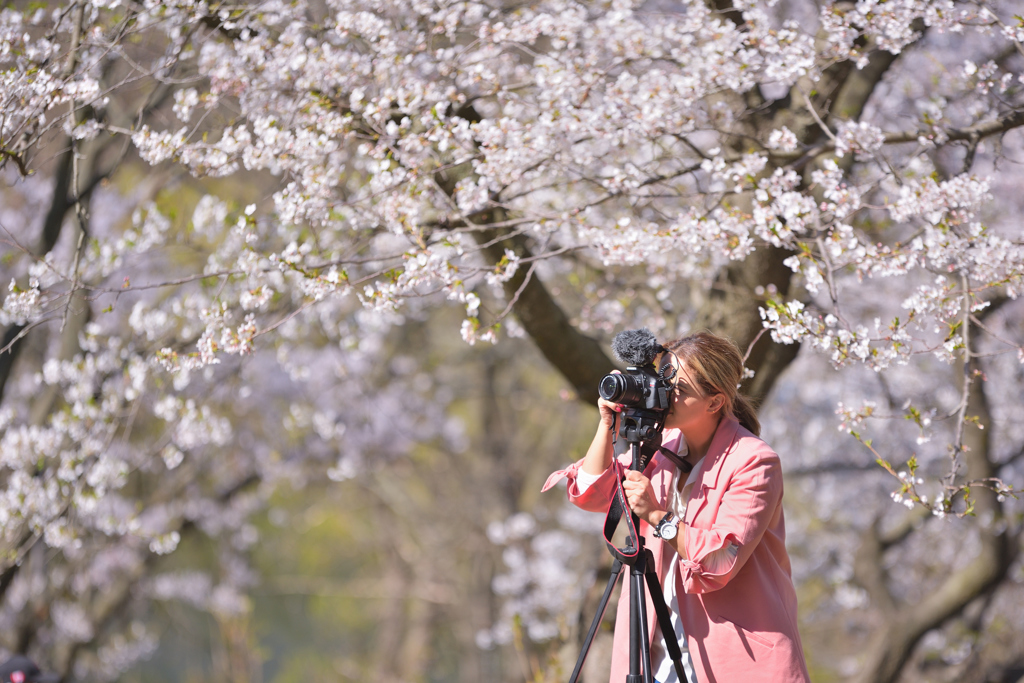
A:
(619, 507)
(681, 465)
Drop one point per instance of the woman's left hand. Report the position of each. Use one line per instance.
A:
(640, 496)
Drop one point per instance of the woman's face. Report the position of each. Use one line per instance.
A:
(691, 408)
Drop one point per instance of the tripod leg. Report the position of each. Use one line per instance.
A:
(637, 576)
(636, 608)
(598, 616)
(668, 633)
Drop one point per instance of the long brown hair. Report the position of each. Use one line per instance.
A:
(717, 367)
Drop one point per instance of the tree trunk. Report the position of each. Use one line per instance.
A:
(731, 309)
(59, 205)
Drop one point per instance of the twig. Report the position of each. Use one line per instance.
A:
(285, 319)
(814, 114)
(1010, 120)
(750, 347)
(74, 282)
(986, 328)
(515, 297)
(25, 330)
(962, 410)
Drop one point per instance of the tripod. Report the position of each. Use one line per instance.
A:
(637, 427)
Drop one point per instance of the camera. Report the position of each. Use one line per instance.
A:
(645, 391)
(642, 388)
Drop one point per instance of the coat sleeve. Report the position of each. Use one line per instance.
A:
(748, 506)
(597, 496)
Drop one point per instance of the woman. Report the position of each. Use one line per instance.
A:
(717, 535)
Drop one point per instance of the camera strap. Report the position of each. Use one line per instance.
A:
(619, 507)
(681, 465)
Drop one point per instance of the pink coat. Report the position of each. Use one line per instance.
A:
(740, 624)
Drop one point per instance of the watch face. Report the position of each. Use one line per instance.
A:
(666, 528)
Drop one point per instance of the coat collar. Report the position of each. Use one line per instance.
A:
(721, 445)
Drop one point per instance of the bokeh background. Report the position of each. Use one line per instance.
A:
(309, 298)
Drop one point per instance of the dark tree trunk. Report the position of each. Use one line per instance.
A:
(731, 309)
(59, 205)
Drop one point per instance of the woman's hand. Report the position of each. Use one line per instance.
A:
(641, 499)
(608, 412)
(600, 454)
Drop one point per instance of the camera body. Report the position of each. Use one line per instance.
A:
(640, 387)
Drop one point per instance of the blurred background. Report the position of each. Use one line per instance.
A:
(253, 427)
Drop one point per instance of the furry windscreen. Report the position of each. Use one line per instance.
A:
(636, 347)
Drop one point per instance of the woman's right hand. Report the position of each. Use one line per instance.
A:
(599, 455)
(608, 412)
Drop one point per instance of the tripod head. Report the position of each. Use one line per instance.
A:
(642, 430)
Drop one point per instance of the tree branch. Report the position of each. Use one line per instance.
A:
(579, 358)
(893, 644)
(1002, 124)
(1008, 121)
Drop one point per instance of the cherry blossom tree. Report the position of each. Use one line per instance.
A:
(834, 176)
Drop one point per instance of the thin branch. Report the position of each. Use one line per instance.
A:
(74, 284)
(750, 347)
(21, 333)
(515, 297)
(814, 115)
(977, 321)
(968, 368)
(285, 319)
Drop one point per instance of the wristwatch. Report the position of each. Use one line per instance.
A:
(667, 528)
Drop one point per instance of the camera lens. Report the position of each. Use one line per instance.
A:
(619, 388)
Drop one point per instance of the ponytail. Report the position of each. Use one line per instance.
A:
(744, 411)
